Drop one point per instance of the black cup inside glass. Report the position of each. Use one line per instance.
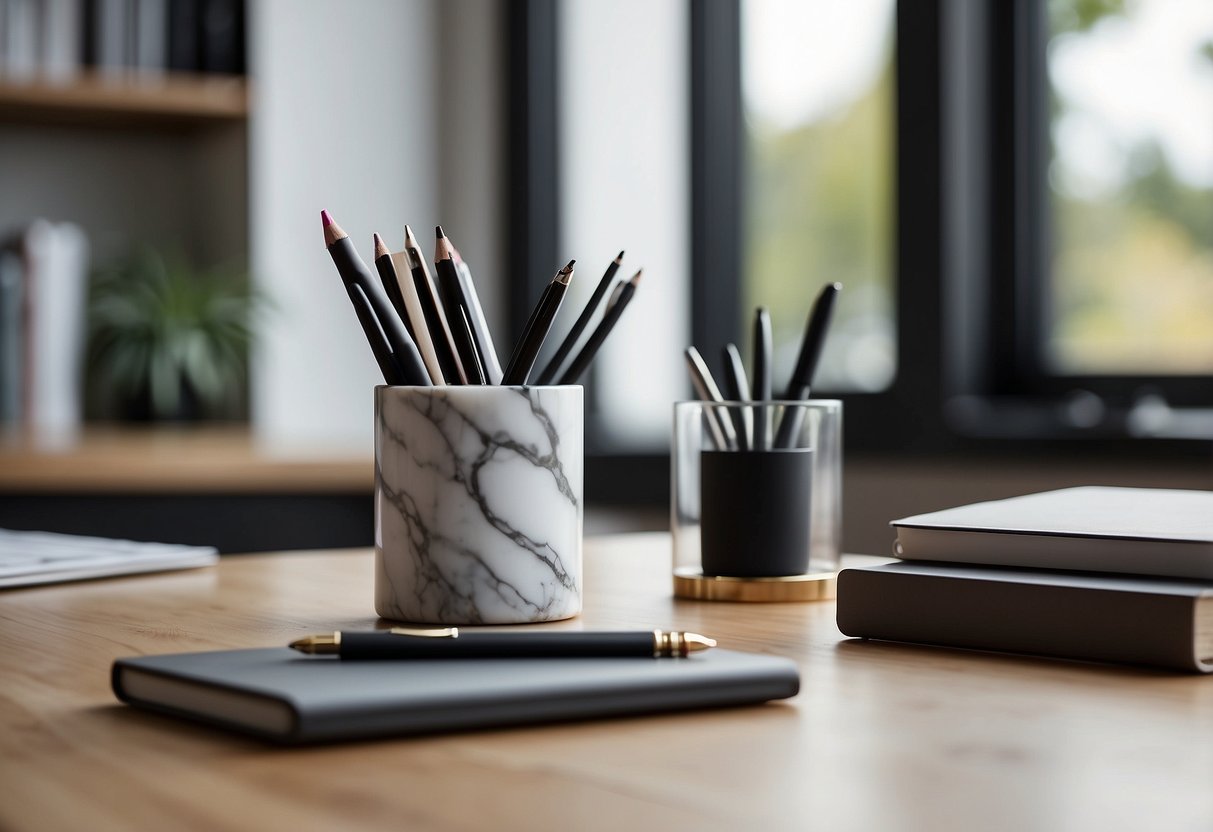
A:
(754, 512)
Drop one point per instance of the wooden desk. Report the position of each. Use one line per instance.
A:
(881, 737)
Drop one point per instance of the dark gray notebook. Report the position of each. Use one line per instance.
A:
(1077, 615)
(277, 694)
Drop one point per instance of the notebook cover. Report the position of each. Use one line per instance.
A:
(1137, 531)
(330, 699)
(1093, 617)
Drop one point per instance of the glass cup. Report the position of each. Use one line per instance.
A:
(756, 489)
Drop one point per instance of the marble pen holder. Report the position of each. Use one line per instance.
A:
(478, 504)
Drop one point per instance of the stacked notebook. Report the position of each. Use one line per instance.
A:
(1099, 574)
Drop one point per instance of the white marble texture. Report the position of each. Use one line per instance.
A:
(478, 504)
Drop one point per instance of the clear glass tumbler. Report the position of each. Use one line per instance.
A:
(756, 489)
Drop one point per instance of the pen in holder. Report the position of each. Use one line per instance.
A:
(756, 499)
(478, 503)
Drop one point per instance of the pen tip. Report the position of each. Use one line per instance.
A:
(438, 232)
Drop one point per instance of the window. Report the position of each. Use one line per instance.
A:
(1131, 187)
(818, 104)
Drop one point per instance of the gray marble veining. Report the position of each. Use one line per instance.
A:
(478, 504)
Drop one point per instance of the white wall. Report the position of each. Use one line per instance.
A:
(383, 112)
(344, 118)
(625, 167)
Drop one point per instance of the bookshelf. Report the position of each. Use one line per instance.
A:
(177, 99)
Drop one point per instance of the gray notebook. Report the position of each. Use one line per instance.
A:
(1110, 618)
(279, 695)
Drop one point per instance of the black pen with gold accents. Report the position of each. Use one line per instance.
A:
(450, 643)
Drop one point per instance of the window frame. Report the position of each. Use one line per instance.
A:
(968, 377)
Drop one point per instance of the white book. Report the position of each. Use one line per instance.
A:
(56, 286)
(21, 40)
(151, 37)
(1136, 531)
(61, 36)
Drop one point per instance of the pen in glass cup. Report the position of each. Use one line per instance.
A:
(450, 643)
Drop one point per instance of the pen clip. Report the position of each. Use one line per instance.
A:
(426, 632)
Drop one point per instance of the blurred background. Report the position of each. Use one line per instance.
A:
(1016, 196)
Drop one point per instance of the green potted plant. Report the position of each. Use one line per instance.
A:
(168, 341)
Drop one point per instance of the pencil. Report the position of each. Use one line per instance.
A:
(806, 364)
(619, 301)
(583, 320)
(762, 377)
(392, 373)
(450, 292)
(738, 390)
(391, 287)
(480, 325)
(354, 272)
(523, 358)
(473, 367)
(435, 319)
(414, 319)
(720, 425)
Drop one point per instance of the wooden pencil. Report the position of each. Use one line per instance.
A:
(391, 287)
(354, 271)
(436, 322)
(480, 324)
(401, 275)
(518, 369)
(450, 293)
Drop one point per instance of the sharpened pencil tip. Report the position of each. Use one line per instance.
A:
(438, 232)
(636, 277)
(619, 257)
(326, 219)
(380, 247)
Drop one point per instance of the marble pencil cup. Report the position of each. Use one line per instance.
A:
(756, 489)
(478, 504)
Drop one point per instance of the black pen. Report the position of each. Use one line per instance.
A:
(450, 643)
(806, 365)
(720, 424)
(523, 359)
(619, 302)
(583, 320)
(762, 377)
(738, 388)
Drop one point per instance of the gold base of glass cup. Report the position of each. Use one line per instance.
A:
(817, 586)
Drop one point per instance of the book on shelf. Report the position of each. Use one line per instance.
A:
(55, 40)
(1137, 531)
(1160, 622)
(43, 291)
(276, 694)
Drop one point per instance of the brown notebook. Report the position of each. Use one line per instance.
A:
(1088, 616)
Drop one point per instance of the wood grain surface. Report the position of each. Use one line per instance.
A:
(882, 736)
(192, 460)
